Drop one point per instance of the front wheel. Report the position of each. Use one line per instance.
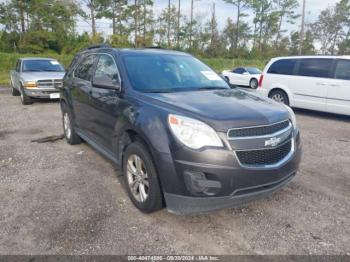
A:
(141, 179)
(279, 96)
(26, 100)
(14, 91)
(254, 83)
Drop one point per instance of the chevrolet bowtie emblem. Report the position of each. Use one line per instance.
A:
(274, 141)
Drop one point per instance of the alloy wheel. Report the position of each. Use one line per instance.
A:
(67, 126)
(137, 178)
(278, 98)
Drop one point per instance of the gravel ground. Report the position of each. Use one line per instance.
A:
(61, 199)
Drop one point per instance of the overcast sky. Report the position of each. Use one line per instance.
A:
(203, 9)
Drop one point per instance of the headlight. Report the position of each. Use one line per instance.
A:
(193, 133)
(292, 117)
(30, 84)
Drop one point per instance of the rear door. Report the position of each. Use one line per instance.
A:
(81, 88)
(338, 98)
(311, 83)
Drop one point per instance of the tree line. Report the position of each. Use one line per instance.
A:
(256, 29)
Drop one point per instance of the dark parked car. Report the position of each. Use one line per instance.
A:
(182, 138)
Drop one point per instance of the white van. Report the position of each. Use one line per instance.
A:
(312, 82)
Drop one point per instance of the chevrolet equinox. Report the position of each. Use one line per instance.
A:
(180, 135)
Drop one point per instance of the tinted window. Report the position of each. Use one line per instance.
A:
(283, 67)
(343, 70)
(84, 70)
(315, 67)
(253, 71)
(170, 73)
(42, 66)
(106, 67)
(239, 71)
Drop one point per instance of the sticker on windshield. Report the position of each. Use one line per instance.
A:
(211, 75)
(54, 63)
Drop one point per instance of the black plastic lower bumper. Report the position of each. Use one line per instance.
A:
(179, 204)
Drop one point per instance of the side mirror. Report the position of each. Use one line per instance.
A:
(106, 82)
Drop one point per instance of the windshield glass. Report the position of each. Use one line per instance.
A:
(170, 73)
(253, 70)
(42, 66)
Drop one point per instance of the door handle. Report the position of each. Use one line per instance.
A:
(334, 85)
(321, 84)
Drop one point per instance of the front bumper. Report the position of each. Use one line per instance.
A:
(214, 179)
(41, 92)
(187, 205)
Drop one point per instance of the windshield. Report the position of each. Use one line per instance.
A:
(253, 70)
(42, 66)
(170, 73)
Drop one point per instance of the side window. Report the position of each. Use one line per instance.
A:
(85, 69)
(106, 67)
(238, 70)
(283, 67)
(315, 67)
(18, 66)
(342, 70)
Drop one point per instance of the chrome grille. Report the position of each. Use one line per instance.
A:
(258, 130)
(264, 156)
(50, 83)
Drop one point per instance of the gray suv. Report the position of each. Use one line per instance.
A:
(181, 136)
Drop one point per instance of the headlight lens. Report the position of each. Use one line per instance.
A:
(292, 117)
(193, 133)
(30, 84)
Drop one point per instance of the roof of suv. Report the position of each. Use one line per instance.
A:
(310, 56)
(135, 50)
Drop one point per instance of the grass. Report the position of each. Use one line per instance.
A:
(8, 62)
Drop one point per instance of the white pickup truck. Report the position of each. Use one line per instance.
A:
(36, 78)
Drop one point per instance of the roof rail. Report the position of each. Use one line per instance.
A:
(154, 47)
(98, 46)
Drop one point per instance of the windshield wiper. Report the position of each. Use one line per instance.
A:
(159, 91)
(211, 88)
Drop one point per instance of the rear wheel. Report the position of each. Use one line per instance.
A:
(253, 83)
(26, 100)
(141, 179)
(279, 96)
(71, 136)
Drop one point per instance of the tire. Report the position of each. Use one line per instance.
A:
(26, 100)
(279, 96)
(71, 136)
(146, 194)
(14, 91)
(254, 83)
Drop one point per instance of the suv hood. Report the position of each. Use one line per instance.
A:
(35, 76)
(224, 109)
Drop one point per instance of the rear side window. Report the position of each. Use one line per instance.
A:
(342, 70)
(283, 67)
(85, 69)
(315, 67)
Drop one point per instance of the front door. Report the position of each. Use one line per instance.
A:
(105, 103)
